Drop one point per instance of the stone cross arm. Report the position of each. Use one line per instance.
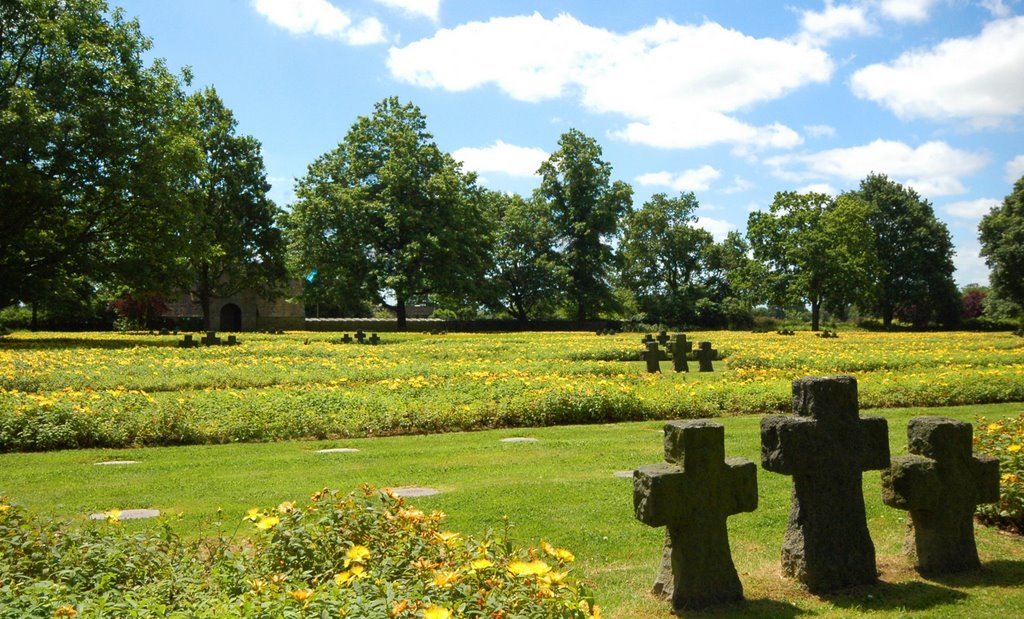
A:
(800, 445)
(664, 495)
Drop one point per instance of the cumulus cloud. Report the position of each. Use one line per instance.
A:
(824, 188)
(419, 8)
(971, 209)
(697, 179)
(906, 10)
(979, 78)
(320, 18)
(998, 8)
(834, 22)
(820, 131)
(719, 228)
(657, 77)
(934, 169)
(1015, 169)
(501, 157)
(970, 266)
(739, 185)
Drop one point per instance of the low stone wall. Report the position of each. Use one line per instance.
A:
(423, 325)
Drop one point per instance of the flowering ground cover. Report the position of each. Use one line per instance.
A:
(110, 390)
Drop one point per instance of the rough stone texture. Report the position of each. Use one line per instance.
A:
(940, 483)
(692, 494)
(128, 514)
(705, 355)
(680, 348)
(663, 338)
(653, 358)
(826, 447)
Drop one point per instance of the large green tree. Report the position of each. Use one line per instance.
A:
(388, 216)
(913, 280)
(663, 257)
(525, 278)
(815, 250)
(93, 152)
(586, 207)
(1001, 233)
(234, 242)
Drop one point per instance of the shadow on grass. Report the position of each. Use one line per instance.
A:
(113, 342)
(911, 595)
(991, 574)
(769, 609)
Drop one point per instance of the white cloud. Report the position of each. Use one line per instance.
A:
(834, 22)
(820, 131)
(320, 18)
(697, 179)
(657, 77)
(934, 169)
(824, 188)
(906, 10)
(970, 266)
(739, 185)
(1015, 169)
(421, 8)
(719, 228)
(971, 209)
(998, 8)
(501, 157)
(979, 78)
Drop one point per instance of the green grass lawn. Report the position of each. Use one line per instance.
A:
(561, 489)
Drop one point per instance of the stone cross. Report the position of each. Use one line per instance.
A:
(705, 355)
(653, 357)
(188, 342)
(374, 339)
(360, 336)
(692, 494)
(825, 447)
(647, 338)
(232, 341)
(663, 338)
(681, 348)
(940, 483)
(346, 339)
(210, 339)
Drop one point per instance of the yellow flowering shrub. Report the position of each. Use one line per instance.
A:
(1004, 440)
(366, 554)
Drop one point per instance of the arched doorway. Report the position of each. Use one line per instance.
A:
(230, 317)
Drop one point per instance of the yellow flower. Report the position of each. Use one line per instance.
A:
(301, 595)
(437, 612)
(268, 522)
(342, 578)
(533, 568)
(286, 508)
(448, 538)
(399, 608)
(480, 564)
(1010, 478)
(357, 554)
(253, 514)
(114, 516)
(445, 579)
(412, 515)
(257, 584)
(994, 427)
(1013, 448)
(65, 611)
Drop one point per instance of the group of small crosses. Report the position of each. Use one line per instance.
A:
(825, 446)
(210, 339)
(680, 349)
(361, 338)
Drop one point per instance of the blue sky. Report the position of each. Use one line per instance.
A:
(731, 99)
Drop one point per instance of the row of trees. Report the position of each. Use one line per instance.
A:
(115, 182)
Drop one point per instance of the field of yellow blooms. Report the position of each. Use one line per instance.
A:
(83, 390)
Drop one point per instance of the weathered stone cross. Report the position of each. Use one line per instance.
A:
(826, 447)
(653, 357)
(211, 339)
(705, 355)
(693, 493)
(360, 336)
(940, 483)
(663, 338)
(680, 348)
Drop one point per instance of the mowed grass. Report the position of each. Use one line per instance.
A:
(561, 488)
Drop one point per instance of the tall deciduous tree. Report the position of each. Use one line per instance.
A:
(92, 151)
(525, 277)
(388, 215)
(662, 257)
(816, 250)
(1001, 233)
(914, 276)
(586, 207)
(235, 242)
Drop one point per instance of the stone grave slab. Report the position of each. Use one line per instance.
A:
(692, 494)
(826, 446)
(128, 514)
(338, 450)
(940, 483)
(519, 439)
(414, 491)
(115, 462)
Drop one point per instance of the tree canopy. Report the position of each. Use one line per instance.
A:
(1001, 233)
(389, 216)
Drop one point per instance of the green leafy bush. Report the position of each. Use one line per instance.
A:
(1004, 440)
(365, 554)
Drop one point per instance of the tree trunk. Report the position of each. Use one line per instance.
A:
(400, 313)
(815, 314)
(35, 317)
(203, 288)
